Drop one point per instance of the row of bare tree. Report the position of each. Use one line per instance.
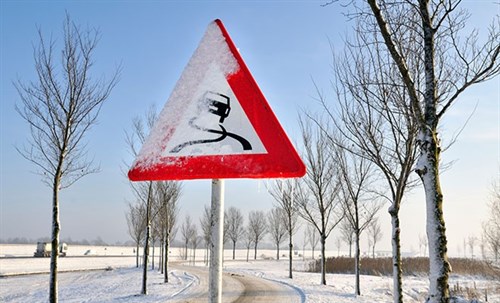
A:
(273, 223)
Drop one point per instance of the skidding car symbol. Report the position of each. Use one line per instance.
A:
(216, 106)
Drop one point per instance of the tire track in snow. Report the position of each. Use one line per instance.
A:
(186, 277)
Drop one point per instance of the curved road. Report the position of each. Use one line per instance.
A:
(235, 288)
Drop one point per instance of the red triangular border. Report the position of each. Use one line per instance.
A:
(281, 160)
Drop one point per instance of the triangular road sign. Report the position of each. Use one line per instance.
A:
(216, 124)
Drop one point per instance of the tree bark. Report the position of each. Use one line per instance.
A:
(137, 255)
(323, 260)
(165, 263)
(357, 264)
(255, 251)
(234, 248)
(144, 290)
(290, 257)
(56, 227)
(428, 170)
(162, 246)
(397, 271)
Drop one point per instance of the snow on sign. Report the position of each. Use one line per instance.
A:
(216, 124)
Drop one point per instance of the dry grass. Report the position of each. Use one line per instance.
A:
(411, 266)
(420, 267)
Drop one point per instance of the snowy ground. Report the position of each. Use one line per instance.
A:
(123, 282)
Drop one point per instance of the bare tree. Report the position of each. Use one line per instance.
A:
(136, 226)
(225, 232)
(360, 205)
(235, 227)
(283, 193)
(60, 107)
(482, 247)
(247, 240)
(205, 227)
(317, 194)
(347, 234)
(312, 237)
(276, 227)
(187, 231)
(491, 227)
(195, 242)
(155, 234)
(338, 243)
(435, 64)
(144, 191)
(168, 193)
(374, 234)
(257, 228)
(471, 242)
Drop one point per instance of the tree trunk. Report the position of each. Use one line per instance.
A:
(290, 256)
(194, 256)
(137, 255)
(248, 252)
(255, 251)
(277, 252)
(323, 260)
(397, 271)
(153, 256)
(357, 264)
(56, 227)
(234, 248)
(428, 170)
(162, 246)
(165, 263)
(144, 290)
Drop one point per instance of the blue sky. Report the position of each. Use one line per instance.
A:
(284, 43)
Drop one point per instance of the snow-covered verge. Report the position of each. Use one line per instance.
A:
(123, 282)
(119, 285)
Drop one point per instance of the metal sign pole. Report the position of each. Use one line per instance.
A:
(216, 243)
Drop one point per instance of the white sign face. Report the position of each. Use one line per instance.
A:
(213, 122)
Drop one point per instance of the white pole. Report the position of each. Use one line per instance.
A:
(216, 245)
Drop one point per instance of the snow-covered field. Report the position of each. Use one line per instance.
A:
(122, 281)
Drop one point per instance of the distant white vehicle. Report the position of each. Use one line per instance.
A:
(43, 249)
